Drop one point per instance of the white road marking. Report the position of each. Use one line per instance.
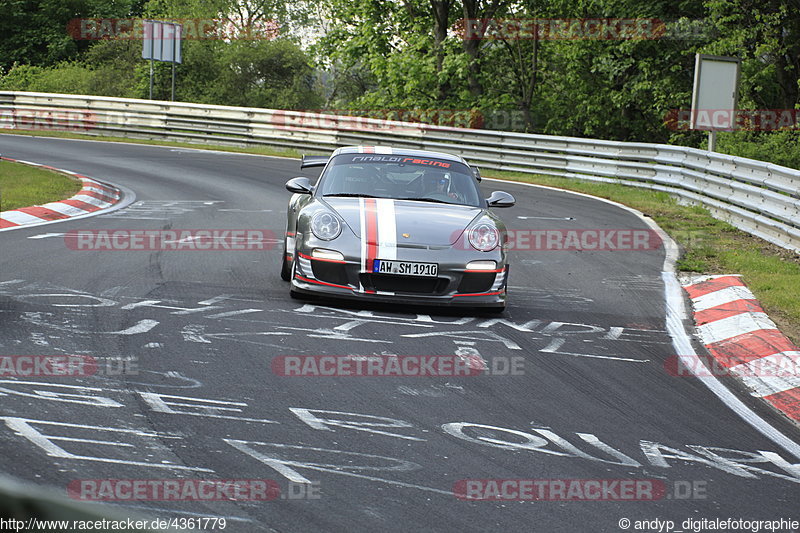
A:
(556, 344)
(527, 327)
(57, 392)
(486, 335)
(216, 299)
(38, 339)
(97, 301)
(175, 310)
(143, 326)
(324, 333)
(736, 462)
(234, 313)
(191, 383)
(198, 333)
(164, 403)
(466, 351)
(287, 468)
(46, 235)
(23, 427)
(355, 421)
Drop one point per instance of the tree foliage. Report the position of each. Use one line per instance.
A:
(412, 55)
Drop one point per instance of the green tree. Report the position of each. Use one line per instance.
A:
(765, 34)
(35, 31)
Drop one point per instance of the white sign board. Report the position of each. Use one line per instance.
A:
(715, 94)
(162, 41)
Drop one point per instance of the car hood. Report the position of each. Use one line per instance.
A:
(416, 223)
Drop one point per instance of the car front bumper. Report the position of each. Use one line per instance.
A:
(455, 285)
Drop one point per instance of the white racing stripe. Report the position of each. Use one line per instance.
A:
(387, 229)
(362, 231)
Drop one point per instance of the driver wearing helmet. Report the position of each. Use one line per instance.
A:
(439, 182)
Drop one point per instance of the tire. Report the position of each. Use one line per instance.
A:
(286, 266)
(294, 295)
(286, 269)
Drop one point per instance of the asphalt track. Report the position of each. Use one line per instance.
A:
(200, 400)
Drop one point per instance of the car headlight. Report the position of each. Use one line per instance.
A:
(326, 226)
(483, 237)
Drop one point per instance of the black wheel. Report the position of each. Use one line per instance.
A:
(286, 265)
(286, 269)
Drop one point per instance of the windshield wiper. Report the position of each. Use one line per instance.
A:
(352, 195)
(424, 199)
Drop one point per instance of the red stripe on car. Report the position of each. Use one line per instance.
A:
(371, 219)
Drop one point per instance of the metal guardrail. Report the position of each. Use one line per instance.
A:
(760, 198)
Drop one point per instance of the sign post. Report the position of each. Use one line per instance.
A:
(715, 95)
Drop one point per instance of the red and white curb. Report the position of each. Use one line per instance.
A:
(740, 336)
(94, 196)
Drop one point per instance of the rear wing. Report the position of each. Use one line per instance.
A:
(314, 161)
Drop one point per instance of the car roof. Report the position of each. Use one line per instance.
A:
(396, 151)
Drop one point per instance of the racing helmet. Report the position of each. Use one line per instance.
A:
(437, 180)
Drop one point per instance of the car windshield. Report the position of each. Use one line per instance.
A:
(401, 177)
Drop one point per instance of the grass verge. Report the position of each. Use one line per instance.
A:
(23, 186)
(709, 246)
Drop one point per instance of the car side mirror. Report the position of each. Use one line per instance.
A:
(299, 185)
(476, 173)
(500, 199)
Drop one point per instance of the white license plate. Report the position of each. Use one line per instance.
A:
(405, 268)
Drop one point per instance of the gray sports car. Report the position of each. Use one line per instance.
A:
(393, 225)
